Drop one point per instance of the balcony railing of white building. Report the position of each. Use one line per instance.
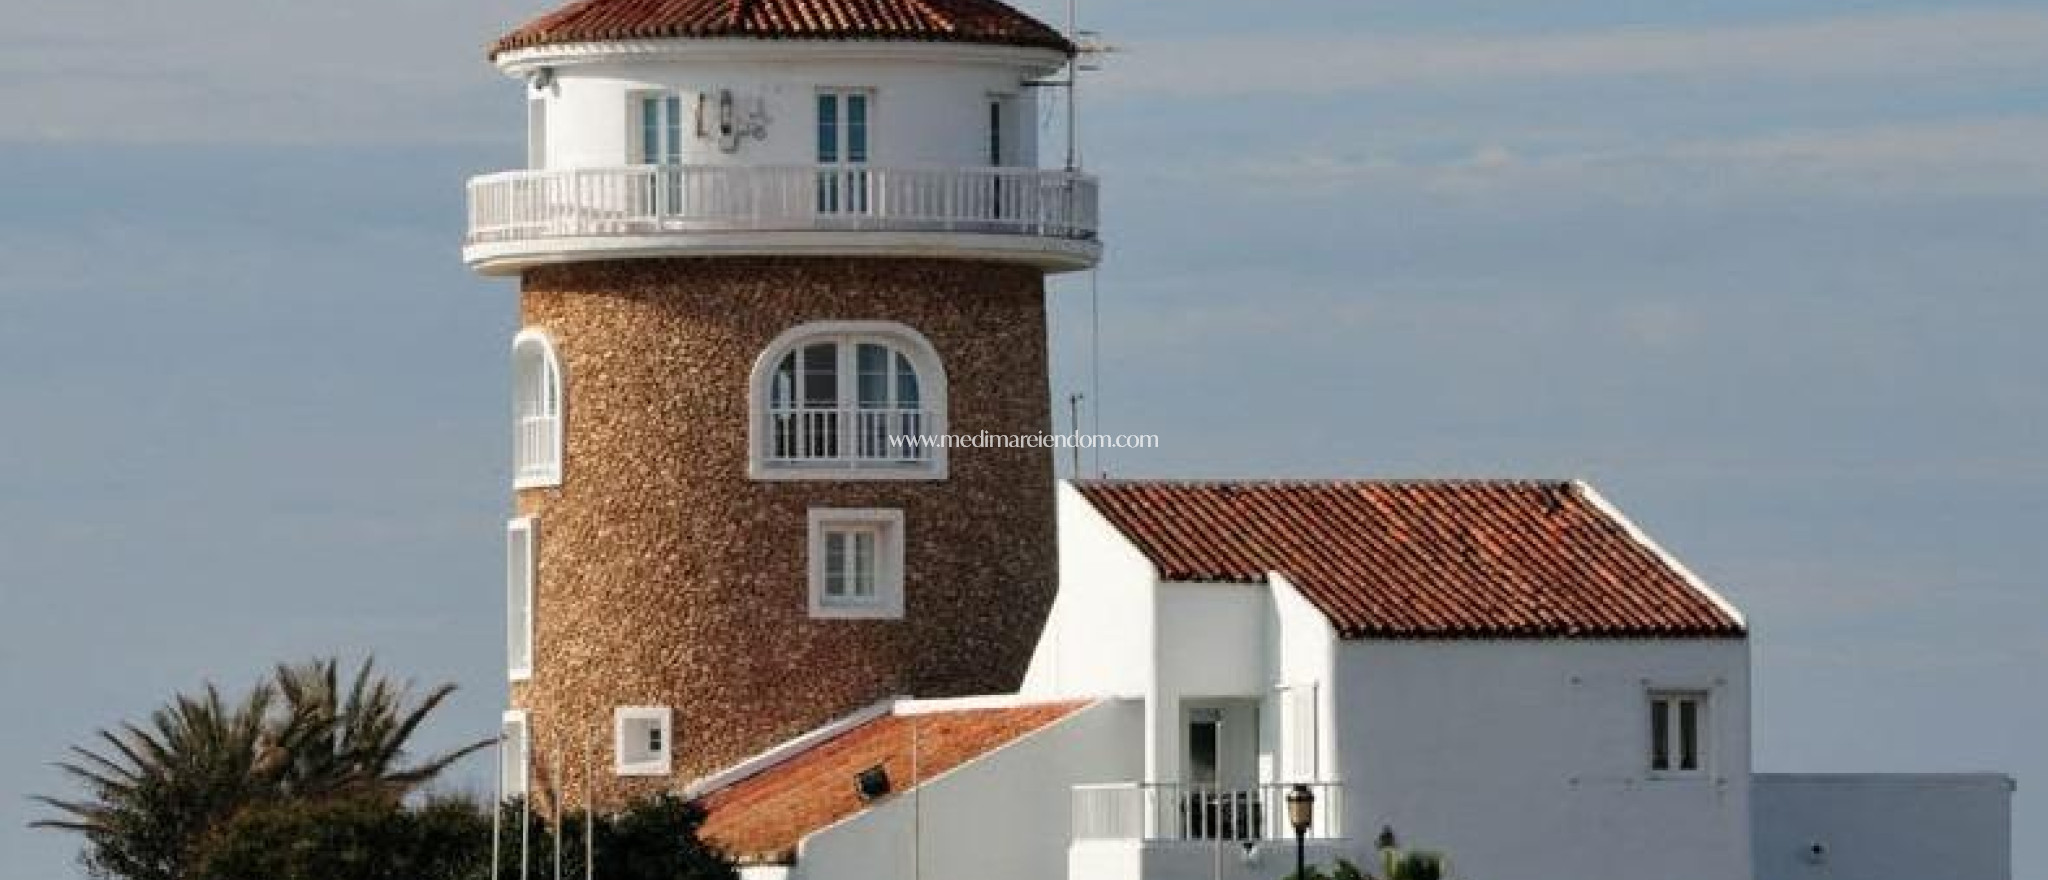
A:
(536, 451)
(850, 436)
(1174, 811)
(519, 206)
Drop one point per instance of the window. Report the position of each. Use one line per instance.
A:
(513, 754)
(1678, 724)
(659, 120)
(843, 117)
(856, 568)
(642, 740)
(519, 568)
(851, 400)
(536, 412)
(1298, 724)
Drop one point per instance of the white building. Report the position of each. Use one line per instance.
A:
(1510, 673)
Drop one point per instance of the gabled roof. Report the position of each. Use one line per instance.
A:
(762, 817)
(1475, 559)
(947, 21)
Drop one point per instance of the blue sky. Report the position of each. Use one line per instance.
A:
(1770, 275)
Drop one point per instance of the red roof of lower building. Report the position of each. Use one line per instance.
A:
(1488, 559)
(762, 817)
(949, 21)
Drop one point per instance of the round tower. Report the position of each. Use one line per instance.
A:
(765, 249)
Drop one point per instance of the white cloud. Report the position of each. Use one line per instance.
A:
(1878, 47)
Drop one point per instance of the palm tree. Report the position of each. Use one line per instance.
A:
(152, 793)
(155, 790)
(354, 742)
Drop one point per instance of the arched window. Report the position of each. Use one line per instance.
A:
(848, 400)
(536, 412)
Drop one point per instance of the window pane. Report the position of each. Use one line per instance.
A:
(828, 128)
(673, 147)
(835, 564)
(650, 130)
(906, 384)
(1688, 735)
(654, 738)
(873, 363)
(783, 394)
(821, 375)
(864, 565)
(856, 128)
(1660, 735)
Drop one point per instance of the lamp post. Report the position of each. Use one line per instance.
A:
(1301, 811)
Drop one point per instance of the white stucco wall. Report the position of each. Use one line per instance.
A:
(1527, 760)
(930, 103)
(1099, 639)
(1004, 816)
(1882, 826)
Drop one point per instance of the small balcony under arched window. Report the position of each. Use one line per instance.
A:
(848, 400)
(536, 412)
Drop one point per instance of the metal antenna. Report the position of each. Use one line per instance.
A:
(1074, 422)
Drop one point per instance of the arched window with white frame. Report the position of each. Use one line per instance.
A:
(536, 411)
(848, 400)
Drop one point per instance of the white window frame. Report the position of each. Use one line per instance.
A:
(674, 109)
(932, 399)
(515, 755)
(539, 412)
(627, 722)
(1674, 741)
(887, 526)
(522, 567)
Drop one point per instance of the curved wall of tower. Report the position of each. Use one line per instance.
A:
(668, 577)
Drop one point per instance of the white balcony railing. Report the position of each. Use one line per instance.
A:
(1172, 811)
(850, 436)
(537, 450)
(638, 200)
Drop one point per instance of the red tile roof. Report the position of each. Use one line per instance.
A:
(950, 21)
(1423, 559)
(762, 817)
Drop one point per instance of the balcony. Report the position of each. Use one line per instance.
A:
(1150, 811)
(520, 219)
(851, 438)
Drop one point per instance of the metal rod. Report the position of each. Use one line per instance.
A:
(498, 805)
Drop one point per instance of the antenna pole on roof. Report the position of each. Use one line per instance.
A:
(1073, 80)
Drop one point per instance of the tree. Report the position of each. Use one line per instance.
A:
(152, 793)
(349, 838)
(654, 838)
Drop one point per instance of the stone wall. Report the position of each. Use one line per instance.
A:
(667, 577)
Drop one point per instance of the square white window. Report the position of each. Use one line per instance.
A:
(513, 756)
(519, 568)
(856, 564)
(642, 740)
(1678, 733)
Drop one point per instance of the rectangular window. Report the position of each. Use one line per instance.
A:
(512, 756)
(660, 121)
(643, 740)
(1298, 720)
(856, 563)
(843, 122)
(519, 582)
(1677, 732)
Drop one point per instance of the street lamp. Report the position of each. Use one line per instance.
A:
(1301, 812)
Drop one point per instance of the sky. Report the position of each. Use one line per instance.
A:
(1770, 275)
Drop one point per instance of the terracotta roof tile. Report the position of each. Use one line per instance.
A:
(950, 21)
(1496, 559)
(764, 816)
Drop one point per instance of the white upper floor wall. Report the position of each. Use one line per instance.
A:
(927, 104)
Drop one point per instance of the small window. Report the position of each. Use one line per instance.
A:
(852, 400)
(1678, 732)
(536, 412)
(843, 122)
(856, 563)
(519, 571)
(513, 756)
(642, 740)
